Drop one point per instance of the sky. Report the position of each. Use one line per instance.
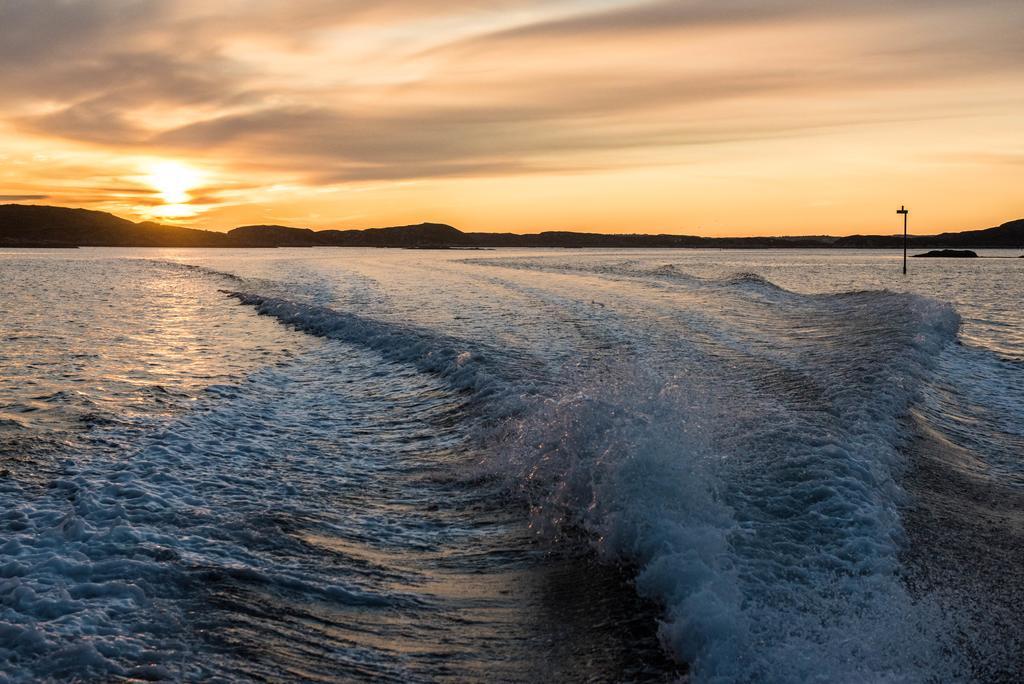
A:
(709, 117)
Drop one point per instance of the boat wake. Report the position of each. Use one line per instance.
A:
(379, 480)
(758, 496)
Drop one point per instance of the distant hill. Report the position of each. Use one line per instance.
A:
(421, 235)
(44, 226)
(1009, 235)
(273, 236)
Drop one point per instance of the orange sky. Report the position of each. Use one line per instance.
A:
(715, 117)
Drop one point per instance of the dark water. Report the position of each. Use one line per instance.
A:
(330, 465)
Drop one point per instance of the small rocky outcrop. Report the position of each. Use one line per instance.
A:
(950, 254)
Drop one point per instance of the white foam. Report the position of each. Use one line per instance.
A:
(768, 528)
(466, 366)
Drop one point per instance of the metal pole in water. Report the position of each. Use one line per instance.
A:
(903, 210)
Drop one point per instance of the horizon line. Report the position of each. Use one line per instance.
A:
(630, 232)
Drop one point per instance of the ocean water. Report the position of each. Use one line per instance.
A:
(534, 465)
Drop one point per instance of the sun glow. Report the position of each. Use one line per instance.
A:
(173, 182)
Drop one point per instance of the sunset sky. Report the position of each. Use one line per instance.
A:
(713, 117)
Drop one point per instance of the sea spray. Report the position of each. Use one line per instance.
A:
(620, 459)
(647, 467)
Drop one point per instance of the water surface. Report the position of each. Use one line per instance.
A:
(346, 464)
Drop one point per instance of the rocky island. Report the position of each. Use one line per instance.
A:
(950, 254)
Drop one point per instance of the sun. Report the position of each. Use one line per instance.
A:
(173, 180)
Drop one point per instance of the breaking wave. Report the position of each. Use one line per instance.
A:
(764, 518)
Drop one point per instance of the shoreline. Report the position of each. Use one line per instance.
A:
(460, 248)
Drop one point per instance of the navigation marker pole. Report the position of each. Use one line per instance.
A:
(903, 210)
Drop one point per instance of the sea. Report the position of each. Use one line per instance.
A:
(332, 465)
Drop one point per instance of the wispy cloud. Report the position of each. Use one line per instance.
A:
(320, 93)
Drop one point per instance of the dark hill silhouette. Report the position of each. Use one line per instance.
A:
(419, 235)
(566, 239)
(45, 226)
(273, 236)
(1008, 235)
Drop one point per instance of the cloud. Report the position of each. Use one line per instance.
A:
(675, 15)
(332, 92)
(22, 198)
(36, 32)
